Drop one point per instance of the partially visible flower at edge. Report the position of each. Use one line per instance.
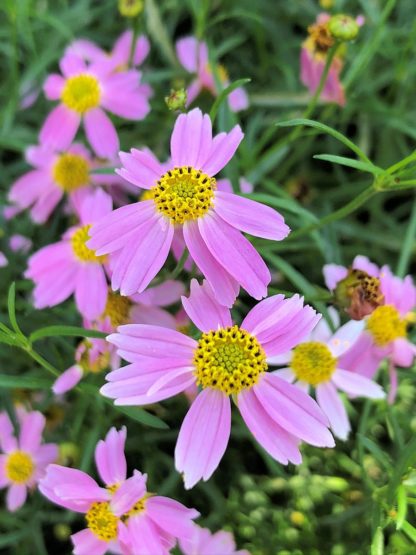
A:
(204, 542)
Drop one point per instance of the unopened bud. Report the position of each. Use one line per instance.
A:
(68, 454)
(62, 531)
(176, 100)
(343, 27)
(359, 294)
(130, 8)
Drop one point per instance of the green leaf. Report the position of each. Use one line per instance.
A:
(409, 530)
(65, 331)
(375, 450)
(223, 95)
(401, 506)
(8, 339)
(377, 545)
(326, 129)
(158, 31)
(24, 382)
(11, 307)
(140, 415)
(351, 163)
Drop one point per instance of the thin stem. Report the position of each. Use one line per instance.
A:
(338, 214)
(40, 360)
(179, 266)
(403, 163)
(408, 244)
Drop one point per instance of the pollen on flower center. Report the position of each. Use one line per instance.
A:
(229, 359)
(117, 309)
(70, 171)
(101, 521)
(94, 365)
(184, 194)
(19, 467)
(137, 508)
(312, 362)
(386, 325)
(80, 249)
(81, 93)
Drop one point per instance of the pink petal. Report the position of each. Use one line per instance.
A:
(251, 217)
(59, 128)
(141, 168)
(16, 496)
(363, 358)
(363, 263)
(132, 105)
(170, 515)
(198, 454)
(110, 458)
(29, 187)
(345, 337)
(293, 410)
(45, 455)
(354, 384)
(224, 286)
(236, 254)
(333, 274)
(281, 445)
(101, 133)
(91, 290)
(222, 150)
(128, 494)
(53, 86)
(67, 380)
(8, 442)
(168, 292)
(191, 53)
(238, 100)
(191, 139)
(31, 429)
(203, 309)
(144, 537)
(95, 205)
(193, 91)
(403, 352)
(142, 50)
(332, 405)
(4, 480)
(87, 543)
(152, 315)
(72, 64)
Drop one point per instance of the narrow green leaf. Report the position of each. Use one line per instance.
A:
(375, 450)
(158, 32)
(377, 545)
(401, 506)
(409, 530)
(350, 162)
(11, 307)
(24, 382)
(223, 95)
(140, 415)
(326, 129)
(65, 331)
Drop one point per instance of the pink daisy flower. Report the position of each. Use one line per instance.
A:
(24, 459)
(385, 335)
(119, 55)
(315, 363)
(193, 56)
(3, 260)
(96, 355)
(122, 516)
(85, 91)
(185, 199)
(226, 360)
(204, 542)
(70, 267)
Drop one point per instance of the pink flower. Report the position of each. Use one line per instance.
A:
(55, 174)
(385, 334)
(70, 267)
(312, 62)
(23, 460)
(3, 260)
(20, 243)
(315, 363)
(334, 273)
(204, 542)
(119, 55)
(84, 90)
(193, 56)
(226, 360)
(185, 199)
(122, 516)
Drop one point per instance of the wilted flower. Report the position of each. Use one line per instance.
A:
(24, 459)
(227, 360)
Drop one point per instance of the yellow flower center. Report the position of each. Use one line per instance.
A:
(101, 362)
(229, 359)
(81, 93)
(101, 521)
(117, 309)
(386, 325)
(71, 171)
(137, 508)
(312, 362)
(80, 249)
(19, 467)
(184, 194)
(148, 194)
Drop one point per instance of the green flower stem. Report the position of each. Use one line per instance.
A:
(40, 360)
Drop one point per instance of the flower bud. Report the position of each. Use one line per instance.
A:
(130, 8)
(343, 27)
(359, 294)
(176, 100)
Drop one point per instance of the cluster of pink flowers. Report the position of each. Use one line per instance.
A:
(283, 366)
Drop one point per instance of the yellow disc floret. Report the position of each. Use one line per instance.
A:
(320, 39)
(147, 195)
(101, 521)
(80, 249)
(184, 194)
(96, 364)
(81, 93)
(312, 362)
(71, 171)
(386, 325)
(19, 467)
(229, 359)
(117, 309)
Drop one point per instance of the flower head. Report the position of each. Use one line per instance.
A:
(185, 198)
(227, 360)
(24, 459)
(204, 542)
(69, 266)
(85, 91)
(193, 56)
(122, 515)
(315, 363)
